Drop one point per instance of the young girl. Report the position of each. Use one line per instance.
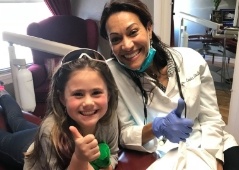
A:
(80, 120)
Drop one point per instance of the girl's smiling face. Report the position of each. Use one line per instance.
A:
(86, 98)
(129, 39)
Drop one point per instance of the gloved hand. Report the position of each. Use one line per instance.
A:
(104, 159)
(173, 127)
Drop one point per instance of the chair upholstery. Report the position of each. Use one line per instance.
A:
(70, 30)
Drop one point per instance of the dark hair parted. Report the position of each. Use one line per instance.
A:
(134, 6)
(61, 137)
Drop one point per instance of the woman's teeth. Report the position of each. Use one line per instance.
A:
(131, 55)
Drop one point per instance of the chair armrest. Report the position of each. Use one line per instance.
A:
(31, 118)
(130, 159)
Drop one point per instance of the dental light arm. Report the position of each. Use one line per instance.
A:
(216, 27)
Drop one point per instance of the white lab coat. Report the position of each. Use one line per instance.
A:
(199, 93)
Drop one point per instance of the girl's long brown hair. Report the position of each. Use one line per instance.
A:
(60, 137)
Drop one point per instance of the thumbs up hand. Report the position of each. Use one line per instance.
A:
(173, 127)
(86, 148)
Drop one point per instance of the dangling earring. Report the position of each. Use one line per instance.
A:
(151, 43)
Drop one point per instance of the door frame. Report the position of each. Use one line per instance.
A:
(162, 19)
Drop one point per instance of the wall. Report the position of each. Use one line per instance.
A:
(233, 118)
(201, 9)
(162, 20)
(89, 9)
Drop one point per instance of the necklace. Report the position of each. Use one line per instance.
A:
(155, 76)
(161, 86)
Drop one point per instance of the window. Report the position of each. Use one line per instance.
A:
(15, 17)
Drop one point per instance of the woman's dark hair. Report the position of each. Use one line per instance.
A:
(141, 10)
(134, 6)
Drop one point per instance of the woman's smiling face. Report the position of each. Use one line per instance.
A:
(129, 39)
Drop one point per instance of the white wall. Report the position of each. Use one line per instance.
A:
(88, 8)
(162, 19)
(233, 125)
(91, 9)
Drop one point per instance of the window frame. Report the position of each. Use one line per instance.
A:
(20, 1)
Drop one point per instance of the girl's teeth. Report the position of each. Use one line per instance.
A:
(88, 113)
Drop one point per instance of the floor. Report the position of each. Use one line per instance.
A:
(223, 90)
(223, 99)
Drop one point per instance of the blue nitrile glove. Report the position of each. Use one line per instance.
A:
(173, 127)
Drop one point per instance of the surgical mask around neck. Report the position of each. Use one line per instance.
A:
(148, 60)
